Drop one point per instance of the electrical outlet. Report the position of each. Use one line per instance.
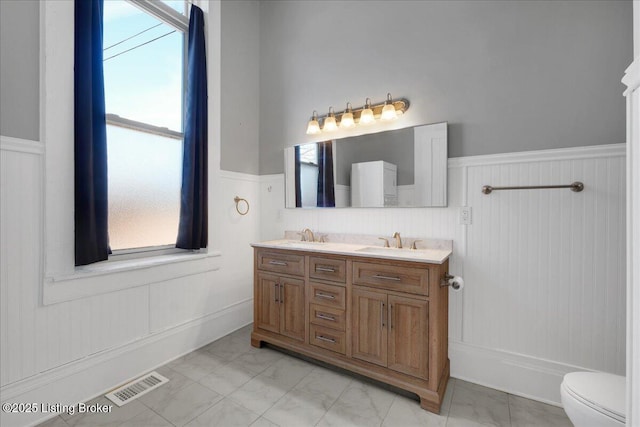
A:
(465, 215)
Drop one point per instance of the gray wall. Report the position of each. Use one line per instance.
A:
(394, 147)
(507, 76)
(240, 40)
(19, 69)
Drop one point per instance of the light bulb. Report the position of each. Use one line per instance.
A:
(330, 122)
(388, 111)
(346, 121)
(313, 127)
(366, 116)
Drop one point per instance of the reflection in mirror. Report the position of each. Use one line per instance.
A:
(397, 168)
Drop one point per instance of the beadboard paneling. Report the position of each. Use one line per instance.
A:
(20, 332)
(545, 268)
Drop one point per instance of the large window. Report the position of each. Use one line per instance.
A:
(144, 62)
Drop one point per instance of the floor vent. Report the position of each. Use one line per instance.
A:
(136, 388)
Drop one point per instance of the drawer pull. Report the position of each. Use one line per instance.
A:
(325, 317)
(325, 296)
(379, 276)
(273, 262)
(325, 269)
(321, 338)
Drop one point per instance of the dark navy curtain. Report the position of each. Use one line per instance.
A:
(298, 177)
(326, 192)
(193, 228)
(90, 136)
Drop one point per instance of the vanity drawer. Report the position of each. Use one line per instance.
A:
(327, 338)
(328, 269)
(414, 280)
(327, 295)
(327, 316)
(280, 262)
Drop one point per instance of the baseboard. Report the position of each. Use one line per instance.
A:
(94, 375)
(517, 374)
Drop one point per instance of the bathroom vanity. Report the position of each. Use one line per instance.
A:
(378, 312)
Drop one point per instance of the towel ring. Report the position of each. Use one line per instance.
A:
(238, 200)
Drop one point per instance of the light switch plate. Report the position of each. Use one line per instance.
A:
(465, 215)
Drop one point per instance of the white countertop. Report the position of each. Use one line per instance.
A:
(427, 255)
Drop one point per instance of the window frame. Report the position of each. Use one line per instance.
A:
(167, 15)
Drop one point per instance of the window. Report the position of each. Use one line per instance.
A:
(144, 63)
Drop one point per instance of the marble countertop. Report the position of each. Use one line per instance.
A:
(429, 251)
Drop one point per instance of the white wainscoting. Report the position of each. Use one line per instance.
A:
(553, 260)
(544, 269)
(77, 349)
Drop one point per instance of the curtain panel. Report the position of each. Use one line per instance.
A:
(90, 136)
(193, 227)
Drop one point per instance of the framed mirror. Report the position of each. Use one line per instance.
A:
(397, 168)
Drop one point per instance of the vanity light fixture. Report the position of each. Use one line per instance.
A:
(352, 117)
(347, 121)
(313, 127)
(330, 122)
(388, 111)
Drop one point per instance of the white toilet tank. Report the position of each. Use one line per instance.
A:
(594, 399)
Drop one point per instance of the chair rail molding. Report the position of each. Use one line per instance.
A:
(19, 145)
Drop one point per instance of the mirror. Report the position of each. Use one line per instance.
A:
(397, 168)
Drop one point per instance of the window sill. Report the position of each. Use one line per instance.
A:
(111, 276)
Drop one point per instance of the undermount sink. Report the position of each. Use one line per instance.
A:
(393, 252)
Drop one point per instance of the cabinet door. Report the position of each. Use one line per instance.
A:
(408, 336)
(268, 303)
(292, 302)
(369, 330)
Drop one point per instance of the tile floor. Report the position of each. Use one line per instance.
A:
(229, 383)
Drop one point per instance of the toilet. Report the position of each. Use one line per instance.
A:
(593, 399)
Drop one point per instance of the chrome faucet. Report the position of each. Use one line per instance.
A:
(396, 236)
(308, 234)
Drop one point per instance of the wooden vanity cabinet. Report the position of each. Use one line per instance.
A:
(281, 305)
(368, 328)
(390, 331)
(383, 319)
(279, 298)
